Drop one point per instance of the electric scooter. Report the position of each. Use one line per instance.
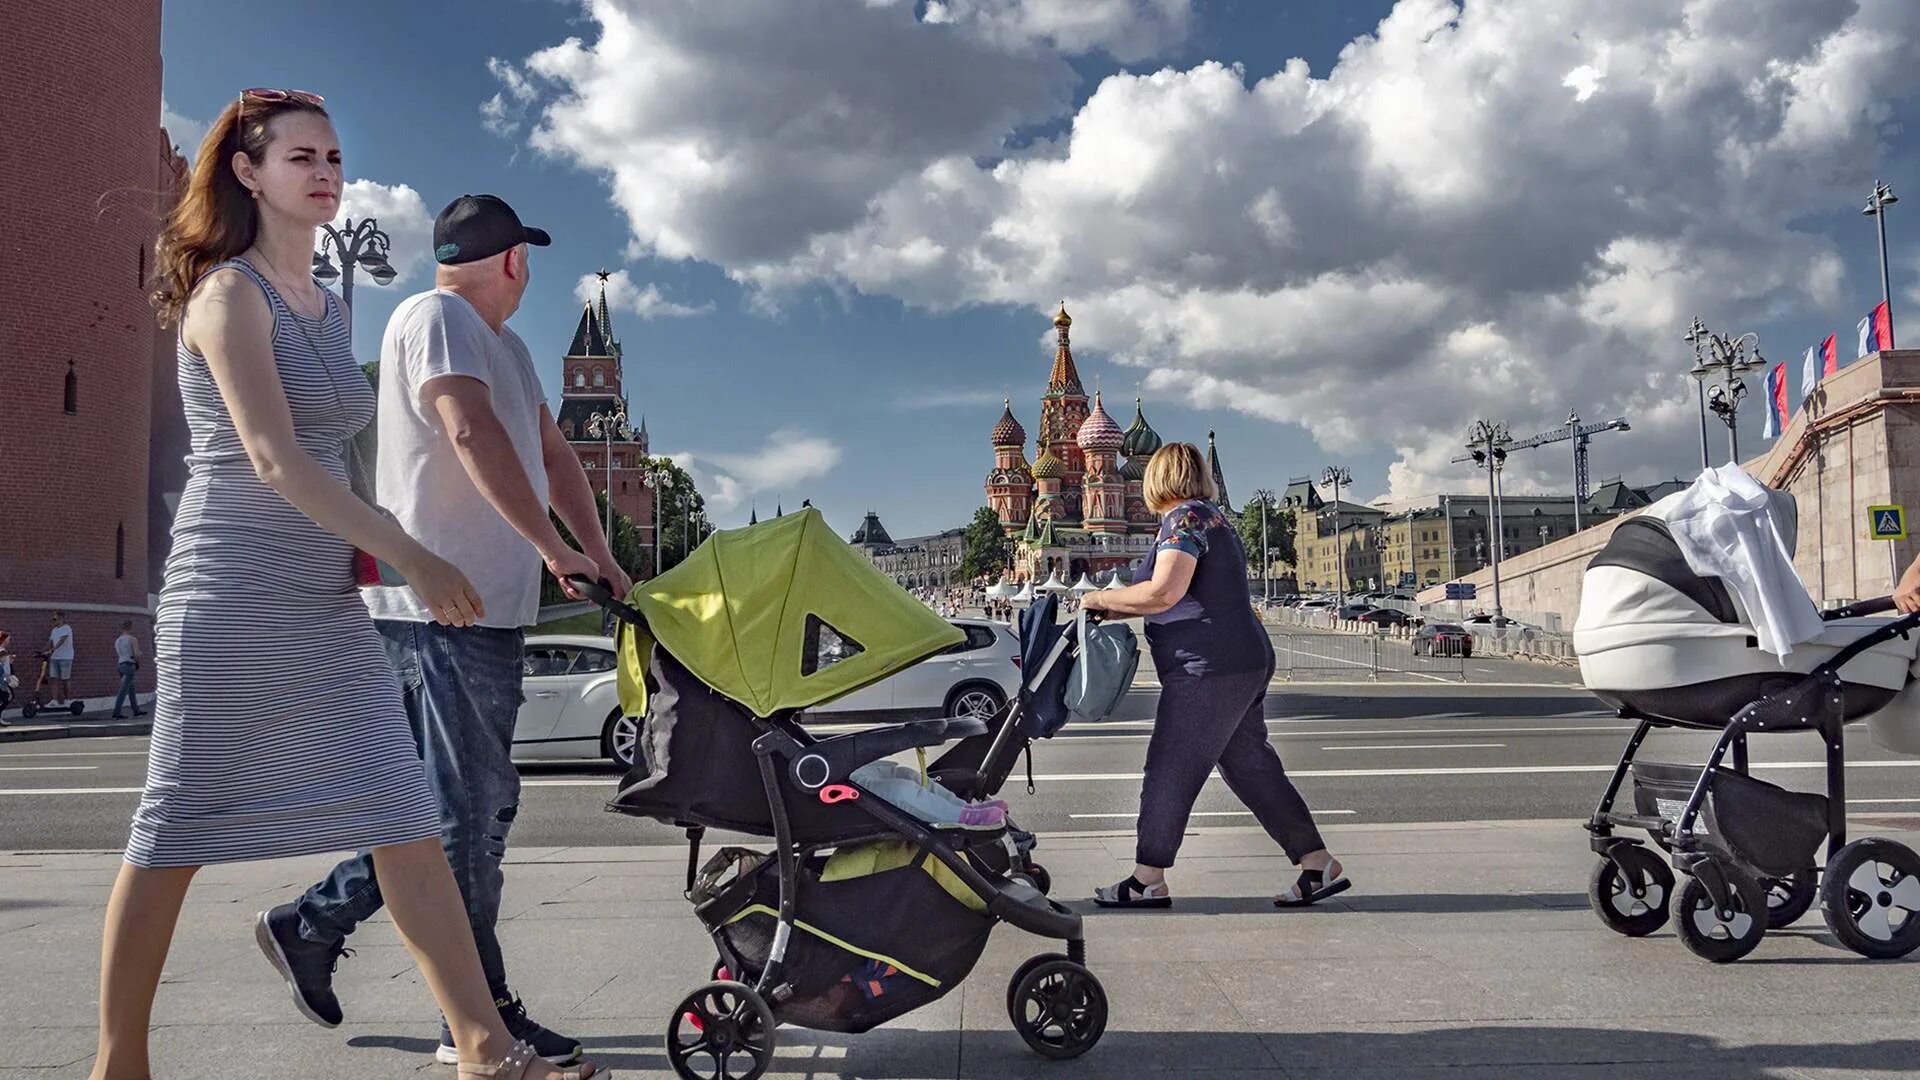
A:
(38, 699)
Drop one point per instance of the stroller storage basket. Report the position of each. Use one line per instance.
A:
(1771, 829)
(863, 951)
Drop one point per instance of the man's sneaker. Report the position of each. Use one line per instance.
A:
(307, 967)
(557, 1049)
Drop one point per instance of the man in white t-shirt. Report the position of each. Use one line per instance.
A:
(60, 658)
(469, 462)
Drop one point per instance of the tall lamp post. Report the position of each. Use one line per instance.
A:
(1487, 440)
(1696, 336)
(655, 481)
(607, 425)
(1722, 368)
(355, 245)
(1337, 477)
(1263, 498)
(1878, 200)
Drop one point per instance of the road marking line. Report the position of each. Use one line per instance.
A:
(49, 768)
(1479, 770)
(1213, 813)
(79, 753)
(1424, 746)
(73, 791)
(1852, 801)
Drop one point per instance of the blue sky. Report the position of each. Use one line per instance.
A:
(804, 345)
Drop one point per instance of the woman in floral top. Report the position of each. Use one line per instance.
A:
(1214, 661)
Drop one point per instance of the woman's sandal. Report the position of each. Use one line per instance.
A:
(1312, 886)
(521, 1058)
(1130, 893)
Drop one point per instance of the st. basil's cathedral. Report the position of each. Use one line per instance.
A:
(1077, 509)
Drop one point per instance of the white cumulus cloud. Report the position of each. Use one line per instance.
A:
(400, 213)
(780, 466)
(185, 131)
(1505, 208)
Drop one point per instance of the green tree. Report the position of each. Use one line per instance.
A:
(985, 550)
(681, 528)
(1279, 534)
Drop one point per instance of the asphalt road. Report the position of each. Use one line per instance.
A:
(1360, 753)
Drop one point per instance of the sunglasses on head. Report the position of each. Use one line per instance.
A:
(271, 95)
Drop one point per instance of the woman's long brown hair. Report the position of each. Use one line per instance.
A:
(215, 218)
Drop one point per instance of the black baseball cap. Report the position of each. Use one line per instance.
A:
(475, 227)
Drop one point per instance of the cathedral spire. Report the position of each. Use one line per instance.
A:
(1065, 379)
(1219, 478)
(600, 314)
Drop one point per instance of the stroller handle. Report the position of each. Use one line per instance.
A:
(1865, 607)
(601, 593)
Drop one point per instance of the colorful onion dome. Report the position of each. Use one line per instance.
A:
(1133, 468)
(1048, 467)
(1008, 431)
(1141, 440)
(1063, 319)
(1098, 431)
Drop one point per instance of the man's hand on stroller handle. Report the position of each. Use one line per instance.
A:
(566, 564)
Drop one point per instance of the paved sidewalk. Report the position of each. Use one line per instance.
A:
(1464, 950)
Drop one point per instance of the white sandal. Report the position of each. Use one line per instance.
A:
(521, 1058)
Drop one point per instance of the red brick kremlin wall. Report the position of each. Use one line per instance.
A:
(84, 173)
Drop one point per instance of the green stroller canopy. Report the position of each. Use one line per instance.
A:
(779, 615)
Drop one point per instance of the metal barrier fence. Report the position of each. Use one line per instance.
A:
(1355, 650)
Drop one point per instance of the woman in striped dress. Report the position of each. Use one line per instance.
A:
(278, 727)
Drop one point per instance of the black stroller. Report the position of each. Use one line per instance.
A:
(862, 912)
(1672, 649)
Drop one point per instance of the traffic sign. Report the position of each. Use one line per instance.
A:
(1461, 590)
(1887, 522)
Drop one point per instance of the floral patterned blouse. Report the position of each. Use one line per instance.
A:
(1213, 629)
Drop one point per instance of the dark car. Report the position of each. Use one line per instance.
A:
(1442, 639)
(1352, 612)
(1385, 617)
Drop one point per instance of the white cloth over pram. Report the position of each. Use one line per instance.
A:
(1657, 638)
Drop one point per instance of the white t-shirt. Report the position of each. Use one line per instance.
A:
(62, 639)
(419, 476)
(123, 648)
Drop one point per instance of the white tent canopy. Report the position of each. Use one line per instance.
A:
(1002, 590)
(1025, 595)
(1114, 582)
(1085, 585)
(1054, 584)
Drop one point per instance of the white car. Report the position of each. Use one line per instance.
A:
(572, 707)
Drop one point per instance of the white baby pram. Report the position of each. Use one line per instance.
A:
(1670, 648)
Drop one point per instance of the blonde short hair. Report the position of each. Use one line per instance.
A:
(1176, 473)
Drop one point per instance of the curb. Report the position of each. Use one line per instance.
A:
(81, 730)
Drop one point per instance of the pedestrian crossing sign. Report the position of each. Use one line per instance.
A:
(1887, 522)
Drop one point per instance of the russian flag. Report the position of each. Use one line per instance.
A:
(1830, 355)
(1876, 330)
(1776, 401)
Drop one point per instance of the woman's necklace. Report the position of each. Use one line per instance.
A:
(282, 283)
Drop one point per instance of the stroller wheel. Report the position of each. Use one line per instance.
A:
(1612, 895)
(1036, 876)
(1019, 973)
(1871, 898)
(722, 1031)
(1722, 936)
(1789, 897)
(1058, 1007)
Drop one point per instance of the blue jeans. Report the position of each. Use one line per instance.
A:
(462, 690)
(127, 668)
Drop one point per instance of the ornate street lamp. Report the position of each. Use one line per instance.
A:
(356, 245)
(609, 424)
(1263, 498)
(1336, 477)
(1878, 200)
(1487, 440)
(1729, 360)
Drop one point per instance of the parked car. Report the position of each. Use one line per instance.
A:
(572, 707)
(1442, 639)
(973, 678)
(1352, 612)
(1311, 606)
(1385, 617)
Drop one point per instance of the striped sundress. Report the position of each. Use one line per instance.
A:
(278, 727)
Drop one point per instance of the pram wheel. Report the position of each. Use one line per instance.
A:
(1058, 1007)
(1035, 875)
(1789, 897)
(1871, 898)
(1019, 973)
(722, 1031)
(1612, 894)
(1722, 936)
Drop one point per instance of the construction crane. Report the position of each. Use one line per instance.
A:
(1582, 435)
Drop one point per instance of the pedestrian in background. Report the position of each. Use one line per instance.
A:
(60, 658)
(1214, 661)
(470, 461)
(279, 729)
(126, 651)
